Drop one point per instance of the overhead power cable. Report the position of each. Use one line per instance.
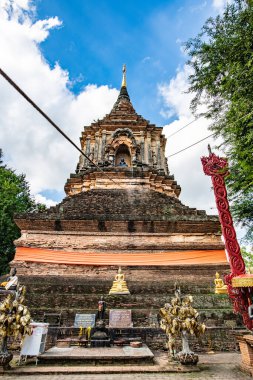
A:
(197, 142)
(197, 118)
(17, 88)
(212, 134)
(13, 84)
(193, 121)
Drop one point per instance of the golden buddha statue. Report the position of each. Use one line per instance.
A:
(220, 287)
(119, 285)
(11, 282)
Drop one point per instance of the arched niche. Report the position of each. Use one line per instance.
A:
(123, 152)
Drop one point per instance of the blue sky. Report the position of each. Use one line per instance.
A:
(97, 37)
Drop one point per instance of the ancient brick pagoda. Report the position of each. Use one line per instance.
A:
(122, 211)
(128, 213)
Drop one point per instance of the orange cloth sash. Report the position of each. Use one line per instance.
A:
(41, 255)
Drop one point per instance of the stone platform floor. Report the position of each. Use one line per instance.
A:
(219, 366)
(107, 356)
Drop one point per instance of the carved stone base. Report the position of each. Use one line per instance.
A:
(246, 348)
(187, 358)
(5, 358)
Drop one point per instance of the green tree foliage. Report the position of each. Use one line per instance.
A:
(221, 57)
(14, 198)
(248, 258)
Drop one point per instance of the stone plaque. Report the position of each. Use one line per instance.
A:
(85, 320)
(120, 318)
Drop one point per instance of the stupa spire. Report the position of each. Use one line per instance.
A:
(124, 76)
(123, 91)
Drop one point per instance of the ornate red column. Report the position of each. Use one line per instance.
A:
(217, 168)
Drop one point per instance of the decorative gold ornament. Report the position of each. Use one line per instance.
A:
(119, 285)
(242, 281)
(220, 287)
(15, 318)
(179, 318)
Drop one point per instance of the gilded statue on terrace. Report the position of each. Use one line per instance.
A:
(220, 287)
(119, 285)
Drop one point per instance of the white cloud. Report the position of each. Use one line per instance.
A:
(199, 7)
(145, 59)
(41, 199)
(219, 5)
(29, 143)
(186, 166)
(175, 99)
(39, 30)
(23, 4)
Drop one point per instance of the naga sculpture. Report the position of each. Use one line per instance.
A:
(239, 284)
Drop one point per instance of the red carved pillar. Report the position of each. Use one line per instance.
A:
(217, 168)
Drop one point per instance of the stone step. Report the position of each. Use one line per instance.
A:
(98, 356)
(103, 289)
(131, 301)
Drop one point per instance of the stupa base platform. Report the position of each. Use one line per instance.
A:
(69, 290)
(93, 356)
(217, 365)
(160, 364)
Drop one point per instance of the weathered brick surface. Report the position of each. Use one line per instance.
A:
(125, 205)
(124, 178)
(246, 348)
(214, 339)
(196, 277)
(100, 225)
(77, 289)
(115, 242)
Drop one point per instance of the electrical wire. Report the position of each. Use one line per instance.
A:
(17, 88)
(197, 118)
(197, 142)
(212, 134)
(29, 100)
(193, 121)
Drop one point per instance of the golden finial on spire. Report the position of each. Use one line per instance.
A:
(124, 76)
